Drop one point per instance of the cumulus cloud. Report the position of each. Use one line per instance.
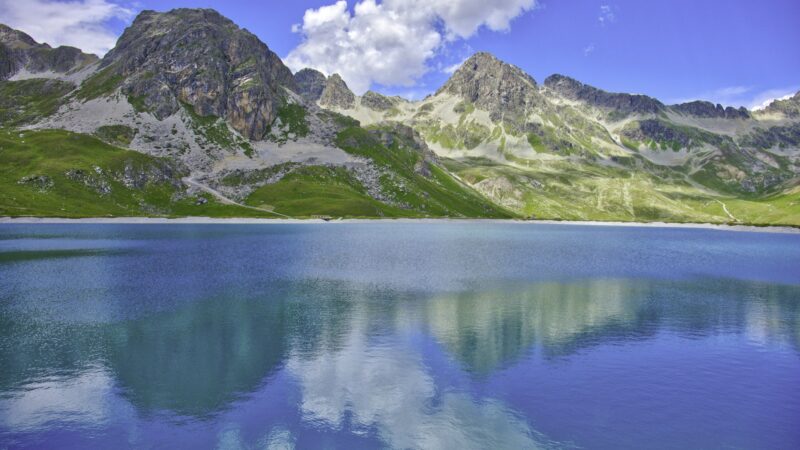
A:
(391, 42)
(388, 388)
(78, 23)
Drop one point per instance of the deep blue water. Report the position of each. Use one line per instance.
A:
(404, 335)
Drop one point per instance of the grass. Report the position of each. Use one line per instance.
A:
(321, 190)
(101, 83)
(54, 153)
(48, 156)
(292, 121)
(26, 101)
(536, 143)
(293, 116)
(465, 135)
(138, 103)
(56, 173)
(572, 191)
(437, 195)
(120, 135)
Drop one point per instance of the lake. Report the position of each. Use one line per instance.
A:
(403, 335)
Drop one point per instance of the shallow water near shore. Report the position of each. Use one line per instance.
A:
(401, 335)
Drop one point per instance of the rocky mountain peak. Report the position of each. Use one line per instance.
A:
(618, 103)
(204, 60)
(310, 84)
(19, 51)
(336, 94)
(705, 109)
(378, 102)
(16, 39)
(491, 84)
(789, 107)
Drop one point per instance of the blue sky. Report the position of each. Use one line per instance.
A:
(734, 52)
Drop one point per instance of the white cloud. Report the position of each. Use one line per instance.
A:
(78, 23)
(391, 42)
(387, 388)
(589, 49)
(606, 15)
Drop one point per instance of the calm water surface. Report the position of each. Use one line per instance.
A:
(447, 335)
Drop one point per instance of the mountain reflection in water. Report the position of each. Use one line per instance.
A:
(239, 361)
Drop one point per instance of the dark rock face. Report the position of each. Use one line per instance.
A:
(7, 66)
(377, 102)
(19, 51)
(492, 84)
(621, 104)
(789, 107)
(198, 57)
(709, 110)
(336, 94)
(787, 136)
(661, 131)
(310, 84)
(657, 131)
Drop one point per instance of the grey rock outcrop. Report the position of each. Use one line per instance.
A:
(709, 110)
(336, 94)
(202, 59)
(19, 51)
(492, 84)
(620, 104)
(310, 84)
(378, 102)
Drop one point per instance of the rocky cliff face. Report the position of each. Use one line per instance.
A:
(709, 110)
(310, 84)
(202, 59)
(620, 104)
(491, 84)
(378, 102)
(18, 51)
(336, 94)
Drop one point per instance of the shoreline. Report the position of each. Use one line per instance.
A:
(262, 221)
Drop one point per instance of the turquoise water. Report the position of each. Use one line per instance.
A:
(406, 335)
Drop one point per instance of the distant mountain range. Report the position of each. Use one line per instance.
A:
(191, 115)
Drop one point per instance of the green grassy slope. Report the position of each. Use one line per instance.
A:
(404, 190)
(25, 101)
(54, 173)
(567, 190)
(322, 191)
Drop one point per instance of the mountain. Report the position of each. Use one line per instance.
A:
(191, 115)
(22, 56)
(789, 107)
(336, 94)
(203, 60)
(620, 104)
(569, 150)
